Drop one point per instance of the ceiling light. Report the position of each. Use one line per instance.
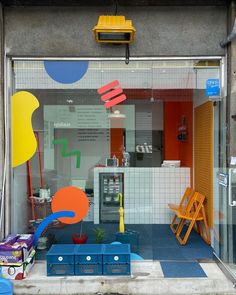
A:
(116, 115)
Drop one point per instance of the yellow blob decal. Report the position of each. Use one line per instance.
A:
(23, 139)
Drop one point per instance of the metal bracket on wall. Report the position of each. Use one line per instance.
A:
(230, 37)
(215, 98)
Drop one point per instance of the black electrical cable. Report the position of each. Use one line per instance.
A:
(127, 54)
(116, 6)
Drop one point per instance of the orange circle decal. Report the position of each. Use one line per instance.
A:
(70, 198)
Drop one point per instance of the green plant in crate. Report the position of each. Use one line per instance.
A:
(99, 235)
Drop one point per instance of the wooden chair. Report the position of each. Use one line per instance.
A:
(195, 213)
(182, 205)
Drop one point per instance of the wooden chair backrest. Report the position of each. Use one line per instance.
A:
(195, 203)
(186, 197)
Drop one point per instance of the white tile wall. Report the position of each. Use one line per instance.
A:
(147, 191)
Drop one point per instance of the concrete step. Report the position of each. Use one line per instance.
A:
(147, 279)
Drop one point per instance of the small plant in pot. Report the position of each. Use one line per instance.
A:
(99, 235)
(80, 238)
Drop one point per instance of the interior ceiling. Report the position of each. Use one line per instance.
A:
(111, 2)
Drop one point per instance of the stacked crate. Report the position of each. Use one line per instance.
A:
(116, 259)
(61, 260)
(88, 259)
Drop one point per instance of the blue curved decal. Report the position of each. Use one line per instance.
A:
(48, 220)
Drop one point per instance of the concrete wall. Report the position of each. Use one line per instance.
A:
(161, 31)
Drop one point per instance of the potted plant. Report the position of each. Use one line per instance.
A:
(80, 238)
(99, 235)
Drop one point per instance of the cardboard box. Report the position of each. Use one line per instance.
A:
(18, 272)
(16, 248)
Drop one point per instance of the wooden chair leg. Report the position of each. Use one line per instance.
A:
(180, 227)
(172, 225)
(186, 236)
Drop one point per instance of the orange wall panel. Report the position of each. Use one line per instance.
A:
(203, 155)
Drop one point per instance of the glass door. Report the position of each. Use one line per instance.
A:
(225, 188)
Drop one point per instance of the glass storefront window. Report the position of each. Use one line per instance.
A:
(152, 126)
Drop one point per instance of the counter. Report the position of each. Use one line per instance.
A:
(147, 191)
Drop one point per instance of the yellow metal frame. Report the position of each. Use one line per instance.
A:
(114, 24)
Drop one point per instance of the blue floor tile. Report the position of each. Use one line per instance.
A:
(173, 269)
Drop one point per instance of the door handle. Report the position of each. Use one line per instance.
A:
(231, 202)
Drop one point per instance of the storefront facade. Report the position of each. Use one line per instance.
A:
(175, 52)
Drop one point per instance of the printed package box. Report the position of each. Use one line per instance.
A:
(18, 271)
(16, 248)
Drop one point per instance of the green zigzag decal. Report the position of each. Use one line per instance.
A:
(64, 143)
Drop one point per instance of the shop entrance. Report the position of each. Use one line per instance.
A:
(131, 156)
(224, 189)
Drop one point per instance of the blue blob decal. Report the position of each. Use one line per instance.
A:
(66, 72)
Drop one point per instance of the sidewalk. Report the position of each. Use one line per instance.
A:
(147, 278)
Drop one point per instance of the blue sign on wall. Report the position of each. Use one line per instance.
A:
(212, 87)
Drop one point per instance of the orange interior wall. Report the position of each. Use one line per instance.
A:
(173, 148)
(171, 121)
(116, 143)
(186, 147)
(176, 103)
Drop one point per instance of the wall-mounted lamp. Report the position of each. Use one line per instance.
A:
(114, 29)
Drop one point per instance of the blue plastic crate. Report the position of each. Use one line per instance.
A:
(60, 269)
(111, 269)
(5, 287)
(116, 254)
(88, 269)
(89, 254)
(61, 260)
(61, 254)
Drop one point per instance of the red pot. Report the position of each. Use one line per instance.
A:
(79, 239)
